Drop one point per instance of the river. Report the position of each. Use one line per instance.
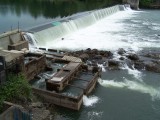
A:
(126, 94)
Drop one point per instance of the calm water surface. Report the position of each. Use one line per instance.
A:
(30, 13)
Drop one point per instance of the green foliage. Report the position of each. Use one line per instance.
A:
(145, 3)
(16, 87)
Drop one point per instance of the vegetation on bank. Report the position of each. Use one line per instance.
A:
(53, 8)
(16, 88)
(145, 3)
(148, 3)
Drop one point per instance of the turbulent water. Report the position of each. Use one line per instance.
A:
(127, 94)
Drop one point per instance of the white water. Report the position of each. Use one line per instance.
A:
(90, 101)
(31, 40)
(100, 36)
(45, 37)
(92, 115)
(137, 74)
(109, 33)
(132, 85)
(102, 29)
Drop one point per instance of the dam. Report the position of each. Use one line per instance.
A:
(129, 93)
(57, 29)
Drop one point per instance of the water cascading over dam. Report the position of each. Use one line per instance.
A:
(57, 29)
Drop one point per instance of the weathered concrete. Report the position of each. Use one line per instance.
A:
(12, 40)
(60, 99)
(12, 62)
(34, 64)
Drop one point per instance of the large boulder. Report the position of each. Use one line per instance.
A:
(153, 55)
(84, 56)
(94, 51)
(113, 65)
(139, 65)
(121, 51)
(133, 57)
(98, 57)
(152, 66)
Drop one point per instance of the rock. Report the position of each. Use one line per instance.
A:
(37, 105)
(121, 51)
(121, 58)
(101, 52)
(84, 56)
(97, 57)
(133, 57)
(88, 50)
(113, 65)
(94, 51)
(94, 63)
(153, 55)
(85, 67)
(154, 67)
(139, 65)
(95, 69)
(108, 54)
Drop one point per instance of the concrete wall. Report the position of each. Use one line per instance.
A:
(59, 99)
(34, 66)
(133, 3)
(11, 38)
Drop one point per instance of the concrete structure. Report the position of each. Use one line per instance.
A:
(68, 85)
(133, 3)
(29, 64)
(2, 70)
(60, 98)
(34, 64)
(11, 61)
(13, 40)
(63, 76)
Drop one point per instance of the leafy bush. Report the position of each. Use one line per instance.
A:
(145, 3)
(16, 87)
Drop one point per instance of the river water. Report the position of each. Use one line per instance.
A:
(125, 94)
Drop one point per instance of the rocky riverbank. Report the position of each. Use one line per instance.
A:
(144, 60)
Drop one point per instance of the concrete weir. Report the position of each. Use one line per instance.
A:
(57, 29)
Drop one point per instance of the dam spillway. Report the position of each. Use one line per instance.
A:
(57, 29)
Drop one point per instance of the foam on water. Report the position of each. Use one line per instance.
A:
(100, 35)
(109, 33)
(137, 74)
(92, 115)
(101, 66)
(132, 85)
(89, 101)
(106, 34)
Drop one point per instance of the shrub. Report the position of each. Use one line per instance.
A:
(145, 3)
(16, 87)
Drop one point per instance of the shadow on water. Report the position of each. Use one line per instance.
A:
(52, 8)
